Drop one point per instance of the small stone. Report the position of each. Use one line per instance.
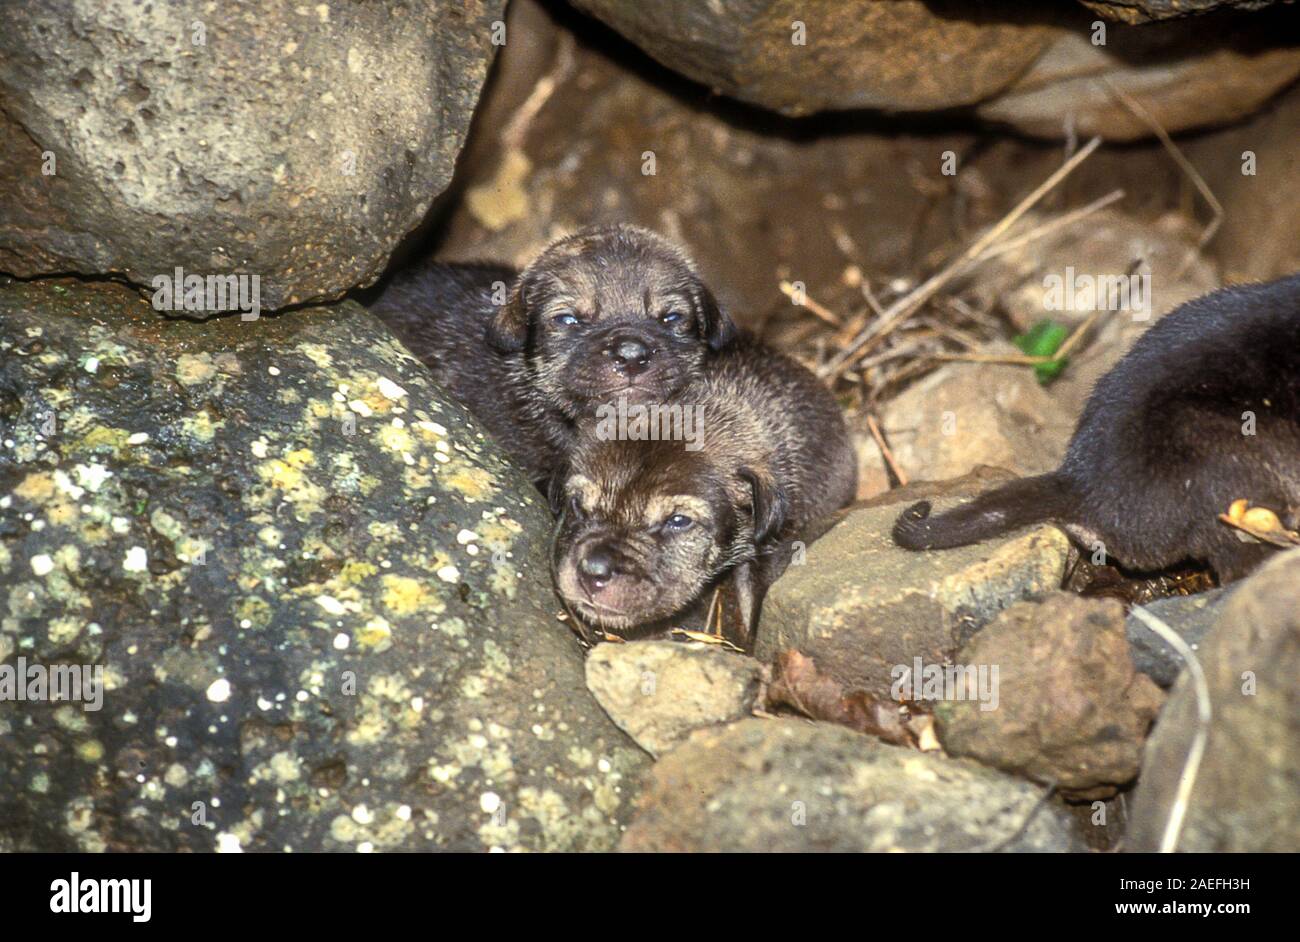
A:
(659, 691)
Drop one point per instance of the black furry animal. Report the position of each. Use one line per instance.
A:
(609, 312)
(1202, 411)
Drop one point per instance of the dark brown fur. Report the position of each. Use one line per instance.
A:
(1160, 450)
(609, 311)
(774, 458)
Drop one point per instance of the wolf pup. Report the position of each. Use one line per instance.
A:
(648, 526)
(609, 312)
(1201, 414)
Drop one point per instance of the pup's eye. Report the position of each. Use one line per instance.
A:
(672, 317)
(678, 522)
(567, 319)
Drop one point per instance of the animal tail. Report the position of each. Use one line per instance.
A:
(1013, 505)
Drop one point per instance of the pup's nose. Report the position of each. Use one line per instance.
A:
(630, 356)
(595, 569)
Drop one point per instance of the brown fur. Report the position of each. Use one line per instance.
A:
(608, 311)
(774, 458)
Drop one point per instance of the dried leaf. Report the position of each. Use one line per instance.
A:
(797, 685)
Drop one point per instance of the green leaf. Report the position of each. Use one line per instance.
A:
(1043, 340)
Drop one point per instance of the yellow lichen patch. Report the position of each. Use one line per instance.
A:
(64, 630)
(193, 369)
(499, 533)
(415, 480)
(317, 353)
(376, 635)
(504, 581)
(36, 487)
(286, 474)
(252, 612)
(199, 426)
(365, 395)
(355, 571)
(61, 513)
(472, 483)
(396, 439)
(105, 436)
(404, 596)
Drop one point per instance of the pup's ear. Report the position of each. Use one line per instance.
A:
(555, 489)
(716, 327)
(769, 503)
(507, 332)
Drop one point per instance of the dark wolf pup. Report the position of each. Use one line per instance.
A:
(609, 312)
(1202, 413)
(647, 527)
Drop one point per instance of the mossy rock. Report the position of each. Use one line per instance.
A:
(319, 595)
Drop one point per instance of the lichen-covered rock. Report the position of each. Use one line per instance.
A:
(796, 786)
(1191, 73)
(861, 606)
(1246, 795)
(297, 142)
(319, 596)
(1070, 708)
(1190, 616)
(797, 58)
(658, 692)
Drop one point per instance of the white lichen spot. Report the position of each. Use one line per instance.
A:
(258, 447)
(361, 814)
(489, 802)
(360, 408)
(65, 485)
(331, 604)
(92, 476)
(465, 537)
(219, 690)
(137, 438)
(136, 560)
(92, 364)
(341, 642)
(42, 565)
(228, 843)
(449, 573)
(390, 389)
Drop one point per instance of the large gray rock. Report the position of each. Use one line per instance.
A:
(1143, 11)
(901, 55)
(1246, 796)
(795, 786)
(861, 606)
(319, 596)
(1192, 73)
(298, 142)
(1031, 66)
